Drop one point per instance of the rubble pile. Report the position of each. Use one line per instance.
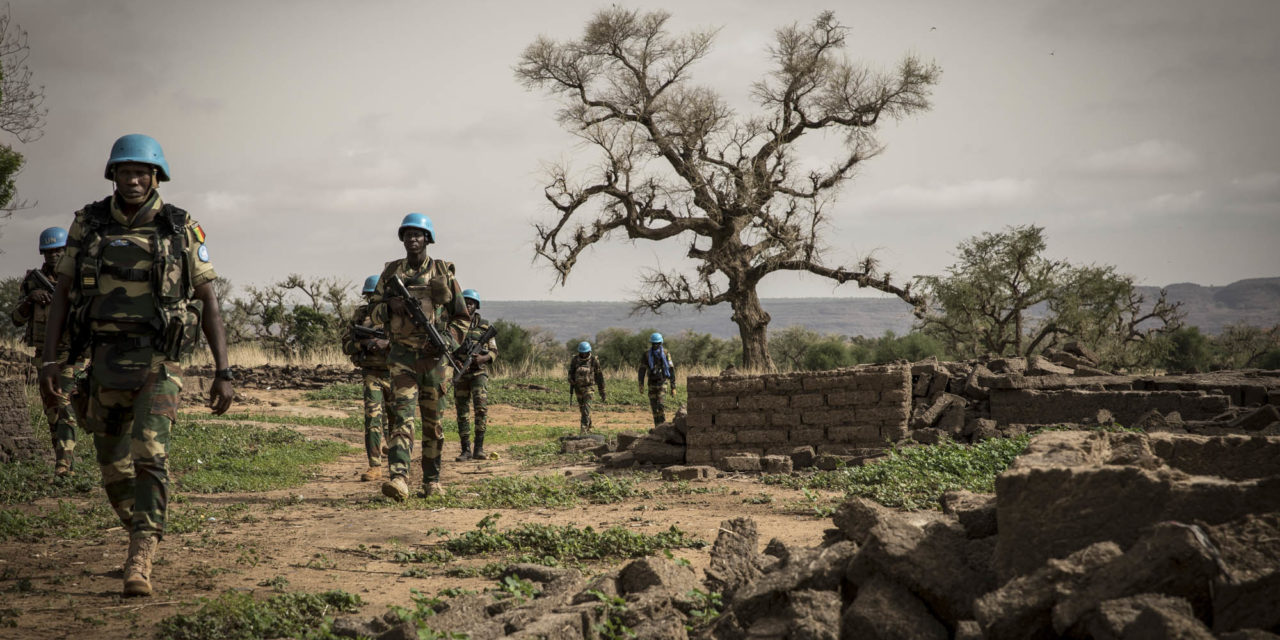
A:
(1089, 535)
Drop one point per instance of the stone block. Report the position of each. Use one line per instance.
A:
(785, 419)
(709, 437)
(737, 385)
(859, 433)
(843, 398)
(700, 420)
(776, 464)
(698, 385)
(807, 435)
(801, 457)
(783, 384)
(706, 404)
(741, 462)
(691, 472)
(762, 401)
(700, 455)
(823, 417)
(808, 401)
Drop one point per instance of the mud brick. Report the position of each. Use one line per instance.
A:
(695, 472)
(775, 464)
(894, 396)
(712, 403)
(710, 437)
(762, 401)
(748, 462)
(807, 401)
(809, 435)
(893, 432)
(1254, 394)
(737, 385)
(827, 416)
(843, 398)
(736, 419)
(783, 384)
(762, 436)
(784, 419)
(698, 384)
(699, 420)
(697, 455)
(860, 433)
(835, 381)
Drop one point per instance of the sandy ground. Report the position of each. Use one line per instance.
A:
(324, 535)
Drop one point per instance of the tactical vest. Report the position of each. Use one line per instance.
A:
(136, 281)
(584, 372)
(360, 357)
(402, 328)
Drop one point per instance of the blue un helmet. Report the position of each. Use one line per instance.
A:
(584, 347)
(136, 147)
(471, 294)
(53, 238)
(418, 221)
(370, 284)
(656, 338)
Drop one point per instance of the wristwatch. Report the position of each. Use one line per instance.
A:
(225, 374)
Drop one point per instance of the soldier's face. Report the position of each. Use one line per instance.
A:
(415, 240)
(472, 306)
(51, 256)
(133, 180)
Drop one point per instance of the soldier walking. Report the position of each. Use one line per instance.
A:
(417, 366)
(472, 387)
(584, 370)
(137, 281)
(33, 312)
(656, 366)
(368, 351)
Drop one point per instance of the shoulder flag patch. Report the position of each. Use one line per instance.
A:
(199, 233)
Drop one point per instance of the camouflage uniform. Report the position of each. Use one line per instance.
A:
(473, 386)
(132, 285)
(417, 368)
(376, 379)
(582, 373)
(656, 365)
(61, 419)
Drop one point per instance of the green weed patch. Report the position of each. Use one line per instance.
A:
(336, 391)
(916, 477)
(218, 458)
(521, 492)
(66, 520)
(238, 616)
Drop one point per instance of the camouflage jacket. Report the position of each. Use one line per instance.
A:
(361, 350)
(474, 330)
(36, 316)
(436, 289)
(584, 371)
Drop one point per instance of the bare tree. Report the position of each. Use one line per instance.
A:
(22, 109)
(676, 162)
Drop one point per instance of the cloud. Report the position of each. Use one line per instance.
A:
(999, 193)
(1150, 158)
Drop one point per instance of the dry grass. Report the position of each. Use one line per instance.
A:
(251, 355)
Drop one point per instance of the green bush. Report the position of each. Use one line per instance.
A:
(238, 616)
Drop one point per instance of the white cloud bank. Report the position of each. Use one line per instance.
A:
(1150, 158)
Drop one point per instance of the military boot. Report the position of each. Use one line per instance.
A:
(479, 452)
(431, 488)
(62, 467)
(466, 448)
(372, 473)
(396, 489)
(137, 568)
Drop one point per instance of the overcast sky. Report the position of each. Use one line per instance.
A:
(1141, 134)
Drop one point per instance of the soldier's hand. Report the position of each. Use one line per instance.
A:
(49, 391)
(220, 396)
(379, 345)
(397, 306)
(40, 297)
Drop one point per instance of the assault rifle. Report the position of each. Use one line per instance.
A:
(42, 280)
(367, 333)
(396, 288)
(470, 349)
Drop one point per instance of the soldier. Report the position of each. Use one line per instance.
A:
(656, 365)
(417, 367)
(33, 312)
(472, 386)
(368, 351)
(138, 284)
(584, 369)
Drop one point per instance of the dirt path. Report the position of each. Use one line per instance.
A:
(336, 532)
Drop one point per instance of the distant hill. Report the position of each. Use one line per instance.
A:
(1255, 301)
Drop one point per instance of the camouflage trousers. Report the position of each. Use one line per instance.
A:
(130, 430)
(61, 419)
(377, 403)
(415, 380)
(655, 403)
(585, 396)
(472, 390)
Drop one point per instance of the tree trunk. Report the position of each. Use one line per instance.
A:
(753, 327)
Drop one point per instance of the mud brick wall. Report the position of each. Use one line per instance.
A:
(16, 442)
(1030, 406)
(846, 411)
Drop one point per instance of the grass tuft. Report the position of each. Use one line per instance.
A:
(238, 616)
